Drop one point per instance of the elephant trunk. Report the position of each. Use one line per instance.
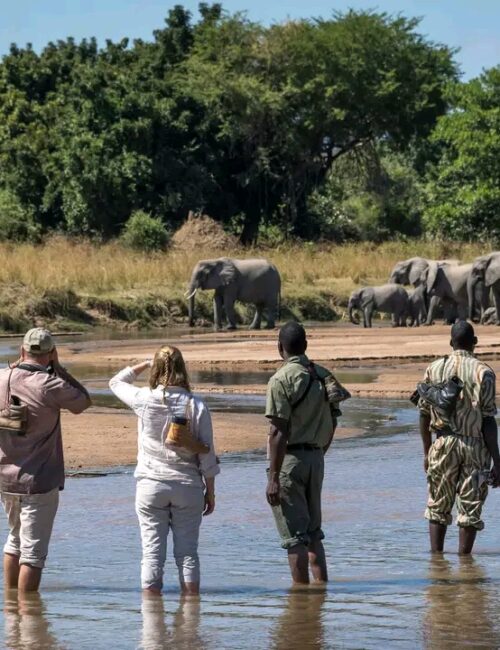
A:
(471, 290)
(352, 318)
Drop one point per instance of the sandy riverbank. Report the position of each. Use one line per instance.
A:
(103, 438)
(397, 357)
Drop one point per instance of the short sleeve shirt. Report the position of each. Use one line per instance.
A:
(477, 399)
(311, 422)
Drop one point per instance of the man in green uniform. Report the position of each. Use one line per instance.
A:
(302, 429)
(460, 457)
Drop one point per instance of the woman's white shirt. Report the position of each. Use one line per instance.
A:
(155, 409)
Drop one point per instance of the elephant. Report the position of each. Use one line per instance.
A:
(388, 298)
(449, 283)
(418, 310)
(484, 277)
(413, 272)
(254, 281)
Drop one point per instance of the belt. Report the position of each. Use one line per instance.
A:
(304, 446)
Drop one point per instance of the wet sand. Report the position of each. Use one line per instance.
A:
(105, 438)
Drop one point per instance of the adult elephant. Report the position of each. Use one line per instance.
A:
(413, 271)
(449, 283)
(254, 281)
(409, 271)
(484, 277)
(389, 298)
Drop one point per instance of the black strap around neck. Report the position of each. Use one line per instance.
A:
(31, 367)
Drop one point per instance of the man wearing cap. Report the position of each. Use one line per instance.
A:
(302, 429)
(31, 460)
(465, 443)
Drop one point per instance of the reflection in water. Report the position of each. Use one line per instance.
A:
(300, 625)
(183, 631)
(26, 625)
(460, 609)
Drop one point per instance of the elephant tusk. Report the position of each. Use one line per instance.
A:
(190, 295)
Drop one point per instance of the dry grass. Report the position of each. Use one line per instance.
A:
(69, 285)
(88, 269)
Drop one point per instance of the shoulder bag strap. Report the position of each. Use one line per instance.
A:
(7, 396)
(312, 376)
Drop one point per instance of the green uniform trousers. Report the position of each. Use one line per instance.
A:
(298, 516)
(452, 459)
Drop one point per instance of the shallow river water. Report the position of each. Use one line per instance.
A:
(386, 591)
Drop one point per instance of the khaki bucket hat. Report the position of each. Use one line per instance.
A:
(38, 341)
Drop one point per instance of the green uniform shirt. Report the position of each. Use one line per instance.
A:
(311, 422)
(477, 399)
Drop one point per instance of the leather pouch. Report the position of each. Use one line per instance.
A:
(13, 420)
(442, 397)
(14, 415)
(179, 434)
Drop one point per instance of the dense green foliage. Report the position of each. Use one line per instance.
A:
(144, 232)
(370, 194)
(463, 193)
(307, 128)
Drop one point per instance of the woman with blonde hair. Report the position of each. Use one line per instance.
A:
(176, 465)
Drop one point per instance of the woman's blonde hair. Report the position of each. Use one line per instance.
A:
(169, 369)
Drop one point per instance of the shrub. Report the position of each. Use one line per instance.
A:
(144, 232)
(16, 221)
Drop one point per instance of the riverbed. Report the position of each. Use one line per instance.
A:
(386, 591)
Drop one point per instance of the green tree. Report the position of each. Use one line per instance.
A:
(223, 116)
(463, 191)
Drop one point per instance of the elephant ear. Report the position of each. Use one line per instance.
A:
(227, 271)
(366, 296)
(430, 275)
(417, 268)
(492, 273)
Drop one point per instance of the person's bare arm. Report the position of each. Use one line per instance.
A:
(425, 432)
(209, 495)
(490, 437)
(327, 446)
(278, 438)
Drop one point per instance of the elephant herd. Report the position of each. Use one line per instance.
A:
(459, 291)
(446, 287)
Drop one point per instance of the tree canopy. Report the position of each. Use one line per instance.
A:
(223, 115)
(463, 193)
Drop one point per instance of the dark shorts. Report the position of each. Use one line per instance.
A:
(298, 517)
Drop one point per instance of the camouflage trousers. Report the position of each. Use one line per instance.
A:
(452, 459)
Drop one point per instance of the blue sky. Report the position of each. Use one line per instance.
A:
(472, 25)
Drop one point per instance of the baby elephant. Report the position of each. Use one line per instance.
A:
(418, 310)
(389, 298)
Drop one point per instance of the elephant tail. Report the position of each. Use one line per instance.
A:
(279, 305)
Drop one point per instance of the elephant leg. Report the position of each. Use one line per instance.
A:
(368, 315)
(496, 298)
(230, 312)
(257, 318)
(432, 308)
(218, 309)
(462, 312)
(272, 315)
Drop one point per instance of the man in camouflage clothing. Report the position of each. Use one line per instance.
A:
(465, 444)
